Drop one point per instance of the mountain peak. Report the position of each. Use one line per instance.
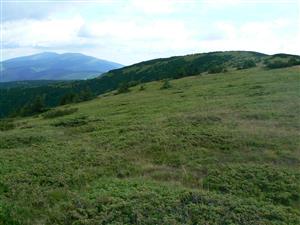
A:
(54, 66)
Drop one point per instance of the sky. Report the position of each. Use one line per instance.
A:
(130, 31)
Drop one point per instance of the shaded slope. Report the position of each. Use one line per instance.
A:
(181, 66)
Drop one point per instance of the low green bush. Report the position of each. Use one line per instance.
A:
(142, 87)
(123, 88)
(166, 85)
(281, 63)
(6, 217)
(74, 122)
(264, 182)
(11, 141)
(59, 112)
(246, 65)
(115, 201)
(6, 124)
(216, 69)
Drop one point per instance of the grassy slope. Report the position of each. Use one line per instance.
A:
(11, 100)
(217, 149)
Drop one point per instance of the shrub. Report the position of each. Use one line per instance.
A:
(74, 122)
(67, 99)
(121, 201)
(266, 183)
(36, 107)
(6, 215)
(8, 142)
(59, 112)
(280, 63)
(293, 61)
(276, 64)
(142, 87)
(166, 84)
(133, 83)
(246, 65)
(123, 88)
(216, 69)
(84, 95)
(6, 124)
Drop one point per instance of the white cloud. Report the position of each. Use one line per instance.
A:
(114, 39)
(108, 37)
(134, 31)
(265, 36)
(140, 30)
(222, 3)
(226, 29)
(153, 6)
(46, 33)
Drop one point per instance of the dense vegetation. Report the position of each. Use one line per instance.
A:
(12, 100)
(28, 84)
(213, 149)
(281, 61)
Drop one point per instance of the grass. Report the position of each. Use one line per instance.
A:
(210, 149)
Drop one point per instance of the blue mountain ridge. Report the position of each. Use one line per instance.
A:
(53, 66)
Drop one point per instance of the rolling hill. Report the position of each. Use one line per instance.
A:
(218, 149)
(53, 66)
(12, 100)
(212, 62)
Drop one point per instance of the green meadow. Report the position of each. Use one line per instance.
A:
(207, 149)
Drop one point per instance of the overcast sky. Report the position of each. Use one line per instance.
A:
(135, 30)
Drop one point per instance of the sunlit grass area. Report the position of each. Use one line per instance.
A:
(210, 149)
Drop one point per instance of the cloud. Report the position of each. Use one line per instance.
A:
(271, 37)
(111, 36)
(227, 30)
(35, 33)
(154, 6)
(133, 31)
(222, 3)
(141, 40)
(20, 11)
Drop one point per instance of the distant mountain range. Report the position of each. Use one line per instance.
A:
(53, 66)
